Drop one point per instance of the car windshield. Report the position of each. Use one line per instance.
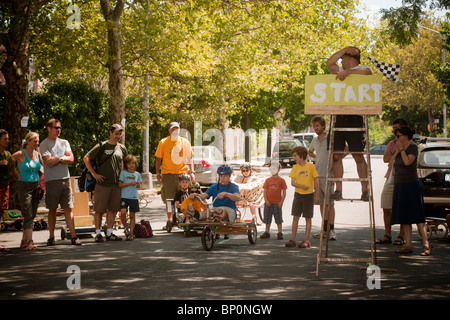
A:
(435, 158)
(287, 145)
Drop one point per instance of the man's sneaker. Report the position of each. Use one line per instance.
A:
(113, 237)
(76, 241)
(99, 238)
(265, 235)
(365, 196)
(332, 235)
(279, 236)
(337, 195)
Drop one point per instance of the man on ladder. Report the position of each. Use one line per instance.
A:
(350, 57)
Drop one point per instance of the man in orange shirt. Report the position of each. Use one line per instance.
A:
(173, 155)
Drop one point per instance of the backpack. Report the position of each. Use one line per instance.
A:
(86, 182)
(143, 230)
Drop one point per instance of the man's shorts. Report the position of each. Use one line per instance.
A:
(387, 195)
(303, 204)
(58, 192)
(231, 213)
(355, 140)
(131, 204)
(106, 199)
(322, 185)
(169, 187)
(274, 211)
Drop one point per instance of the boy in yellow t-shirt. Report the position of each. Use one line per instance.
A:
(192, 207)
(304, 178)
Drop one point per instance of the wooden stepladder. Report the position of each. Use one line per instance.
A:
(328, 191)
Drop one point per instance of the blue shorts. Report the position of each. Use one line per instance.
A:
(132, 204)
(275, 211)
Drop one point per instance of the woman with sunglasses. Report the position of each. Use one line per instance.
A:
(407, 203)
(246, 177)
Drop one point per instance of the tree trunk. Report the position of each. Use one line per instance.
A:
(115, 83)
(16, 70)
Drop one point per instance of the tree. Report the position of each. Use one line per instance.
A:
(403, 21)
(417, 89)
(15, 17)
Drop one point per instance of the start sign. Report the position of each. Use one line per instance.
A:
(357, 94)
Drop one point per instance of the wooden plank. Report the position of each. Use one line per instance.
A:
(341, 110)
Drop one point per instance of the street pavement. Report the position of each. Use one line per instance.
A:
(175, 268)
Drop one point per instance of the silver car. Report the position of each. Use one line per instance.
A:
(206, 161)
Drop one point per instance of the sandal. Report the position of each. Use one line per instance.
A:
(426, 251)
(404, 250)
(399, 241)
(3, 249)
(290, 243)
(304, 244)
(384, 239)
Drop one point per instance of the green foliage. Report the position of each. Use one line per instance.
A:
(83, 113)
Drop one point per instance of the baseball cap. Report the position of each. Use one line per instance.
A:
(174, 125)
(116, 127)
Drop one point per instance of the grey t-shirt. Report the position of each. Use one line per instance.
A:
(402, 173)
(320, 148)
(55, 148)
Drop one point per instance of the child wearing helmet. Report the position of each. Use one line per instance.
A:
(193, 205)
(225, 194)
(183, 182)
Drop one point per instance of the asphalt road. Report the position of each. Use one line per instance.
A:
(173, 267)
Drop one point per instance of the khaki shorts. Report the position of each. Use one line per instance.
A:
(58, 192)
(106, 199)
(169, 187)
(231, 213)
(322, 187)
(387, 195)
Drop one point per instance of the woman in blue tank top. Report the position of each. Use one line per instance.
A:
(28, 164)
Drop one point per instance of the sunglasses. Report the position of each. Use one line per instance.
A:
(57, 128)
(194, 192)
(245, 170)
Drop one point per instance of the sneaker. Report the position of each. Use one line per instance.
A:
(51, 242)
(113, 237)
(337, 195)
(279, 236)
(365, 196)
(265, 235)
(317, 235)
(99, 238)
(332, 235)
(76, 241)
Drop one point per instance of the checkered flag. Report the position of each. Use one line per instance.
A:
(390, 70)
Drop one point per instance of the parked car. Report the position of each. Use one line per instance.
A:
(304, 136)
(433, 168)
(379, 149)
(206, 161)
(282, 151)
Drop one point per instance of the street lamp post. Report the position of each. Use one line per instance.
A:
(444, 108)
